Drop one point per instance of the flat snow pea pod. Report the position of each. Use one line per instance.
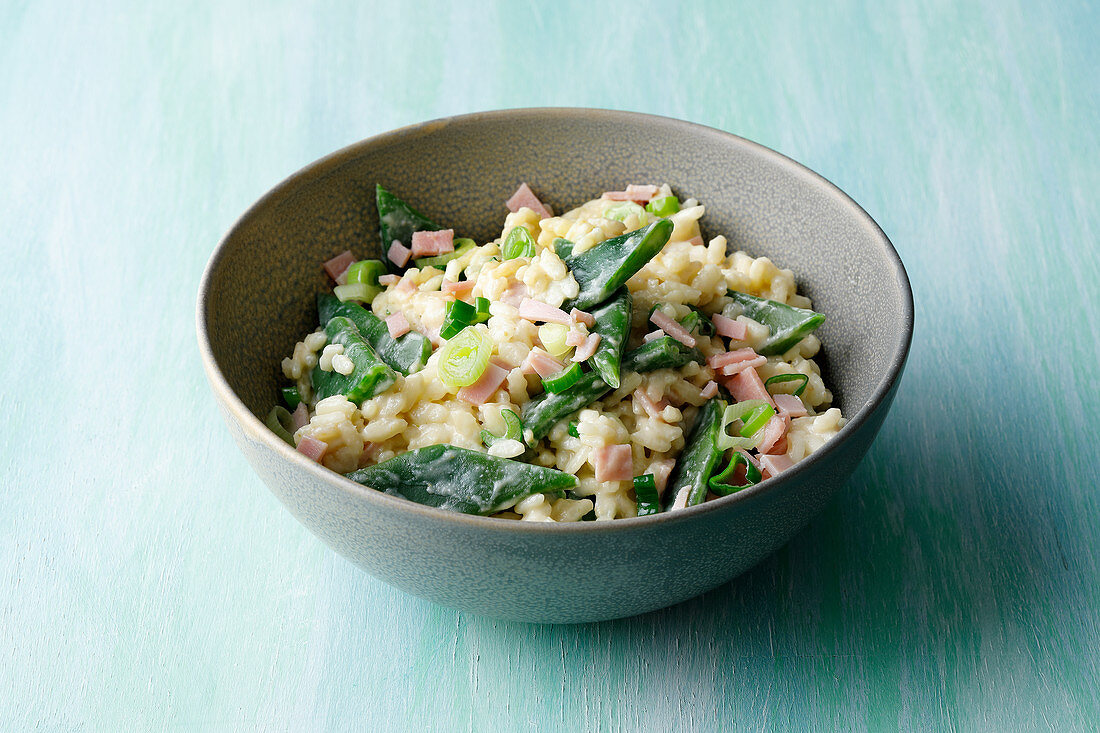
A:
(563, 248)
(788, 324)
(543, 412)
(406, 354)
(370, 376)
(660, 353)
(397, 220)
(613, 325)
(606, 267)
(460, 480)
(700, 457)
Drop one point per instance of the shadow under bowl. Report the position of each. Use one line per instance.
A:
(257, 299)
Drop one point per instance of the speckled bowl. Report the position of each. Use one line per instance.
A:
(257, 299)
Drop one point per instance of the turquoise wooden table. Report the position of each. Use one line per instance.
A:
(150, 580)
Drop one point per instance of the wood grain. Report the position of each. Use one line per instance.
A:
(151, 581)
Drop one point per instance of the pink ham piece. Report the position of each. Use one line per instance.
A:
(300, 416)
(581, 317)
(500, 362)
(740, 366)
(535, 310)
(614, 463)
(458, 289)
(339, 264)
(312, 448)
(514, 295)
(661, 470)
(773, 465)
(774, 431)
(430, 244)
(575, 338)
(399, 254)
(697, 241)
(653, 409)
(641, 194)
(710, 389)
(717, 361)
(388, 280)
(541, 363)
(480, 391)
(405, 286)
(790, 405)
(747, 385)
(585, 351)
(398, 325)
(668, 324)
(524, 196)
(729, 328)
(654, 335)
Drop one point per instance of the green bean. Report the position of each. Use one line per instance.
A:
(406, 354)
(788, 325)
(370, 376)
(660, 353)
(397, 220)
(699, 457)
(613, 326)
(460, 480)
(606, 267)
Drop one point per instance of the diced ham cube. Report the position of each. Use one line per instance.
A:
(697, 241)
(740, 366)
(514, 295)
(614, 463)
(585, 351)
(710, 389)
(774, 430)
(458, 289)
(773, 465)
(661, 470)
(652, 336)
(312, 448)
(575, 338)
(536, 310)
(300, 416)
(717, 361)
(524, 196)
(399, 254)
(480, 391)
(388, 279)
(747, 385)
(541, 363)
(339, 265)
(729, 328)
(430, 244)
(581, 317)
(669, 325)
(642, 194)
(789, 404)
(397, 324)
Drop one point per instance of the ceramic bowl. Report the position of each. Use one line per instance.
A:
(257, 299)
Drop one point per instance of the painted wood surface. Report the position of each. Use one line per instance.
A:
(150, 580)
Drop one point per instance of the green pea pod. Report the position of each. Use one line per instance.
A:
(563, 248)
(370, 376)
(606, 267)
(700, 456)
(788, 324)
(406, 354)
(460, 480)
(613, 326)
(397, 220)
(660, 353)
(543, 412)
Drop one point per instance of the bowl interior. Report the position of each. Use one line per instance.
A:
(261, 284)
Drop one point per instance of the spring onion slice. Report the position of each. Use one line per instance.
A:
(518, 243)
(664, 206)
(645, 491)
(552, 336)
(361, 292)
(562, 380)
(789, 378)
(732, 413)
(459, 315)
(462, 246)
(481, 306)
(366, 272)
(756, 420)
(718, 483)
(291, 397)
(698, 321)
(281, 423)
(513, 429)
(463, 359)
(619, 212)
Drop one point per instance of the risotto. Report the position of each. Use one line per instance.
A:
(604, 363)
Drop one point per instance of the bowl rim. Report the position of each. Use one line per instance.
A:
(258, 431)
